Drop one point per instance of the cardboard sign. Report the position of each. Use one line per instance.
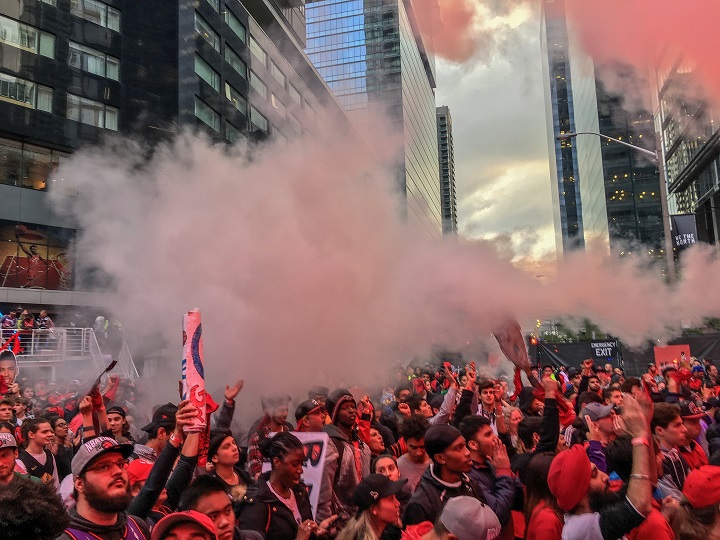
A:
(671, 354)
(512, 344)
(315, 449)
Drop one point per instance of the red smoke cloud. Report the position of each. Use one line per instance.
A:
(638, 31)
(446, 26)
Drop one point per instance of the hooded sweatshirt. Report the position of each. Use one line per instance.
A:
(118, 531)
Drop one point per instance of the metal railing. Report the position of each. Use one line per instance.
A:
(58, 346)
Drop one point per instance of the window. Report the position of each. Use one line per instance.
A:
(51, 2)
(215, 4)
(205, 30)
(294, 95)
(27, 166)
(258, 85)
(278, 105)
(234, 97)
(237, 63)
(258, 51)
(235, 25)
(26, 93)
(93, 61)
(258, 120)
(96, 12)
(232, 133)
(206, 73)
(206, 114)
(277, 73)
(26, 37)
(91, 112)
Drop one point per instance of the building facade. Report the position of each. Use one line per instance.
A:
(372, 56)
(604, 194)
(690, 144)
(74, 72)
(446, 154)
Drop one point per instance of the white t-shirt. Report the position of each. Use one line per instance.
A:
(290, 502)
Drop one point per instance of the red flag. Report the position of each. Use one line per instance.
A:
(15, 341)
(509, 337)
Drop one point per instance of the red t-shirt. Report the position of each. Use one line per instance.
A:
(544, 524)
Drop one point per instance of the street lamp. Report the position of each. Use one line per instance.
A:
(655, 158)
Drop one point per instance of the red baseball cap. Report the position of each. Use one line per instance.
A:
(569, 477)
(701, 486)
(138, 470)
(189, 516)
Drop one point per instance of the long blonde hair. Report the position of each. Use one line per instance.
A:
(358, 529)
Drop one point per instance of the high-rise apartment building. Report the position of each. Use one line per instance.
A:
(373, 57)
(603, 193)
(690, 144)
(446, 154)
(75, 71)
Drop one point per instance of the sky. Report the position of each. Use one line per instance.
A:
(502, 173)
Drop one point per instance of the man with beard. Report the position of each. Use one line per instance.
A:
(102, 494)
(582, 491)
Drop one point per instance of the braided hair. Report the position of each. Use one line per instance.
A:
(279, 446)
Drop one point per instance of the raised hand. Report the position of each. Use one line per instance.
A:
(234, 390)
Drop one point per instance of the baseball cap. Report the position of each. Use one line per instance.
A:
(469, 519)
(572, 372)
(138, 470)
(690, 411)
(374, 487)
(117, 410)
(700, 487)
(95, 448)
(176, 518)
(164, 416)
(7, 441)
(596, 411)
(305, 408)
(439, 437)
(569, 477)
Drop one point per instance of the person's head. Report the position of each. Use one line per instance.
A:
(528, 403)
(286, 455)
(310, 415)
(466, 518)
(613, 396)
(403, 392)
(8, 455)
(189, 525)
(413, 431)
(594, 383)
(31, 510)
(699, 512)
(691, 415)
(117, 423)
(712, 371)
(376, 442)
(319, 394)
(375, 496)
(208, 495)
(100, 477)
(513, 417)
(667, 425)
(385, 464)
(487, 394)
(138, 472)
(419, 405)
(162, 424)
(276, 407)
(59, 426)
(529, 431)
(548, 371)
(602, 415)
(479, 436)
(446, 447)
(6, 409)
(37, 431)
(223, 450)
(28, 392)
(341, 408)
(652, 369)
(8, 366)
(20, 406)
(572, 478)
(588, 397)
(632, 386)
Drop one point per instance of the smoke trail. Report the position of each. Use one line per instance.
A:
(305, 273)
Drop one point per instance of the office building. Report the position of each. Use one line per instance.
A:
(604, 194)
(446, 155)
(73, 72)
(372, 56)
(690, 144)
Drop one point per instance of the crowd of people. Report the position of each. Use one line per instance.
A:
(441, 453)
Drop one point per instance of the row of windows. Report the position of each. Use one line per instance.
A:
(93, 61)
(36, 96)
(232, 21)
(210, 117)
(27, 166)
(96, 12)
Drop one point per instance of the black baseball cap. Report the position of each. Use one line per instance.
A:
(164, 416)
(373, 488)
(305, 408)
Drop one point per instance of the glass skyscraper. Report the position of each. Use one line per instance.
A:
(446, 154)
(372, 57)
(603, 193)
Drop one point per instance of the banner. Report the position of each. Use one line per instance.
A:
(315, 450)
(604, 350)
(684, 231)
(512, 344)
(193, 369)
